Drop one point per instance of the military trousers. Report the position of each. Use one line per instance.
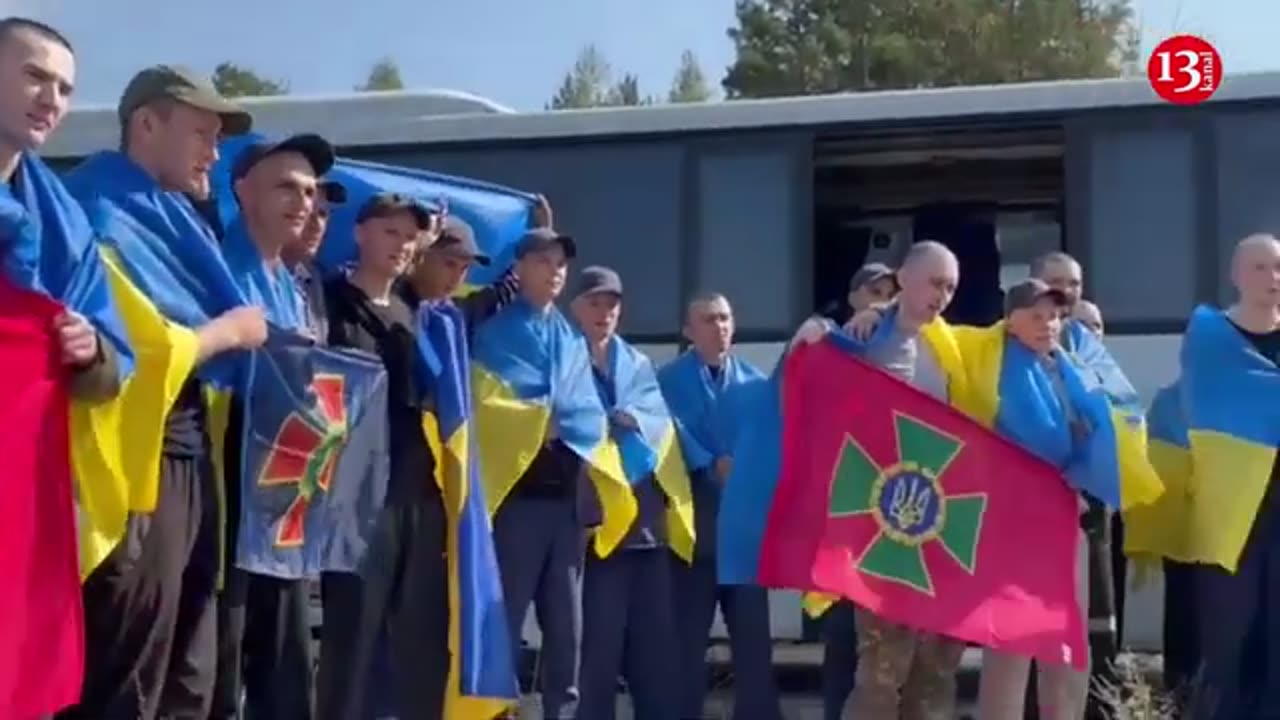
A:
(902, 672)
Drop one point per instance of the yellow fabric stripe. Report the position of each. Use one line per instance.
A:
(218, 409)
(1140, 483)
(673, 477)
(116, 445)
(617, 501)
(1161, 529)
(509, 433)
(817, 604)
(1228, 479)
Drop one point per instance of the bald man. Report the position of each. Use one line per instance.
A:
(903, 672)
(1239, 634)
(1088, 314)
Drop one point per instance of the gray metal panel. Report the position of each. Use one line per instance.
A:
(1248, 191)
(621, 202)
(1142, 222)
(747, 233)
(378, 120)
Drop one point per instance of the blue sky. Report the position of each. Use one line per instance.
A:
(511, 51)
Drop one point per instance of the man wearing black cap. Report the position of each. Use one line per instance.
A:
(401, 592)
(627, 616)
(264, 622)
(300, 257)
(540, 527)
(150, 608)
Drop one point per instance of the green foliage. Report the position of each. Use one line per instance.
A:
(231, 80)
(804, 47)
(384, 75)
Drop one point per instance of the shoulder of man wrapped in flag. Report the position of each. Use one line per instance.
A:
(1228, 393)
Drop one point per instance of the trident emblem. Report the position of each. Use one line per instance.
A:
(909, 502)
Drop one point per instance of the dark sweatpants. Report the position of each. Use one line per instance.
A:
(839, 657)
(264, 625)
(1239, 630)
(540, 543)
(401, 591)
(151, 608)
(1181, 634)
(264, 648)
(628, 630)
(746, 615)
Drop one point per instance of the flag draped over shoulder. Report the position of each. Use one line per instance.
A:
(708, 412)
(498, 215)
(1012, 391)
(1231, 396)
(271, 288)
(482, 678)
(532, 381)
(48, 247)
(41, 619)
(928, 515)
(654, 448)
(1160, 529)
(314, 462)
(757, 452)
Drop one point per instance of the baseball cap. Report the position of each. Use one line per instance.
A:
(598, 279)
(317, 151)
(868, 274)
(1029, 292)
(178, 83)
(457, 238)
(387, 204)
(539, 239)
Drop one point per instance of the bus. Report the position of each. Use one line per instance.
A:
(775, 202)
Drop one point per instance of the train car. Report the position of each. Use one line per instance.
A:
(775, 202)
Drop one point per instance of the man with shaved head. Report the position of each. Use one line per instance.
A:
(704, 389)
(1229, 369)
(904, 672)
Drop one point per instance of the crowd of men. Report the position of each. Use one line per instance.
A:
(165, 640)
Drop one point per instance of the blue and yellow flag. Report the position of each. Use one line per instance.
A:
(1160, 530)
(497, 215)
(271, 288)
(126, 474)
(1231, 396)
(48, 248)
(704, 408)
(1013, 392)
(482, 678)
(533, 383)
(654, 448)
(314, 458)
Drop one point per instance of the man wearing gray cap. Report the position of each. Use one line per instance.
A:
(440, 269)
(627, 614)
(150, 608)
(1033, 318)
(540, 523)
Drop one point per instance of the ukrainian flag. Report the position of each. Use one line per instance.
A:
(1160, 529)
(1231, 396)
(1009, 390)
(653, 449)
(498, 215)
(168, 278)
(533, 382)
(482, 678)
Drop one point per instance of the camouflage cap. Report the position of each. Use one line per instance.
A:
(174, 82)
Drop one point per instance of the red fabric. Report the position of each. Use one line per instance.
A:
(41, 618)
(1019, 593)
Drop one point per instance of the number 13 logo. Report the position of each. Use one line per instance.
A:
(1185, 70)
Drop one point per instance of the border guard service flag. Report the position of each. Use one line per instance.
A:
(927, 518)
